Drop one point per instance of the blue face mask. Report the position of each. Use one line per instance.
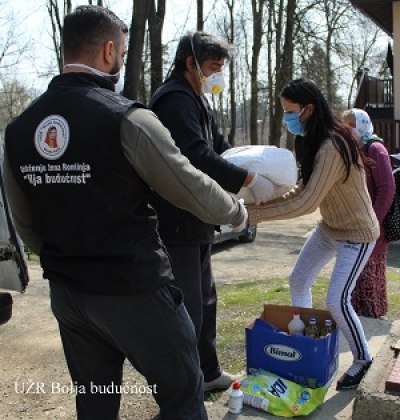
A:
(292, 120)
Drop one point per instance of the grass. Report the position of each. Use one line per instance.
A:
(240, 303)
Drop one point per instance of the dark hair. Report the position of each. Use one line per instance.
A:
(87, 28)
(202, 46)
(322, 124)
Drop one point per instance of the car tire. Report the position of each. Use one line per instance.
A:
(250, 234)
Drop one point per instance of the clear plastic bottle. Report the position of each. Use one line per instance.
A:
(312, 329)
(327, 328)
(296, 326)
(256, 402)
(235, 402)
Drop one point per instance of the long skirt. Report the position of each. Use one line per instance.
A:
(369, 296)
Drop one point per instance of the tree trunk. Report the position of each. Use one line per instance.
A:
(200, 15)
(270, 74)
(156, 22)
(135, 49)
(284, 71)
(56, 20)
(67, 7)
(232, 84)
(257, 9)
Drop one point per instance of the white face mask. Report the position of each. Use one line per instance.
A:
(213, 84)
(119, 86)
(115, 78)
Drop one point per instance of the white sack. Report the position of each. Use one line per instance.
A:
(275, 163)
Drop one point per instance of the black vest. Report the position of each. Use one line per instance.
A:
(179, 226)
(88, 204)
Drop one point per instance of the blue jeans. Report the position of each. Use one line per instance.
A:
(152, 330)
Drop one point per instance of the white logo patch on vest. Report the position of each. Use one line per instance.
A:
(52, 137)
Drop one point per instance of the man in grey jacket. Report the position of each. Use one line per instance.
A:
(81, 203)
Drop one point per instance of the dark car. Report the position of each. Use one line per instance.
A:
(225, 232)
(5, 307)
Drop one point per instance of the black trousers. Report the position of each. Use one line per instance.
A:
(152, 330)
(193, 275)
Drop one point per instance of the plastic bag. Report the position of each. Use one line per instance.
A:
(276, 395)
(276, 164)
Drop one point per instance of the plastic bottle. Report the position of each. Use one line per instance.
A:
(327, 328)
(235, 402)
(312, 328)
(296, 326)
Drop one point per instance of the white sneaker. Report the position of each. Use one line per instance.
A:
(224, 381)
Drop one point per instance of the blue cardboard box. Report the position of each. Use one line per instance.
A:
(304, 360)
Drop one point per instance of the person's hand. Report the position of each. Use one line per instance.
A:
(261, 188)
(242, 225)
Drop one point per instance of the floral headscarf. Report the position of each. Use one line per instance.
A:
(363, 124)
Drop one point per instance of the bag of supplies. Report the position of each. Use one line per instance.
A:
(281, 397)
(275, 163)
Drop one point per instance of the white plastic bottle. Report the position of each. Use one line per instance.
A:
(235, 402)
(296, 326)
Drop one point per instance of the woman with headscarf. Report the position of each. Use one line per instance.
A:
(369, 297)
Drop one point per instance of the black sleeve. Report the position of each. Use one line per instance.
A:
(182, 115)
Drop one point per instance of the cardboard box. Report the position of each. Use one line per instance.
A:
(306, 361)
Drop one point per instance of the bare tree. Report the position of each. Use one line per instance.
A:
(14, 98)
(56, 18)
(11, 49)
(334, 11)
(258, 32)
(362, 50)
(200, 15)
(135, 49)
(284, 30)
(322, 25)
(229, 30)
(156, 18)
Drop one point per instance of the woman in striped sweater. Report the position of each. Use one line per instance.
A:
(332, 178)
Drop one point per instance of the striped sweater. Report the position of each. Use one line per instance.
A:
(345, 206)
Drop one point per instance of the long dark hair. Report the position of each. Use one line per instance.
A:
(322, 124)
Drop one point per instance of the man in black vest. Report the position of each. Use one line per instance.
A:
(182, 107)
(80, 165)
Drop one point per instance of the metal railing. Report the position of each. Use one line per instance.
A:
(373, 92)
(389, 131)
(376, 96)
